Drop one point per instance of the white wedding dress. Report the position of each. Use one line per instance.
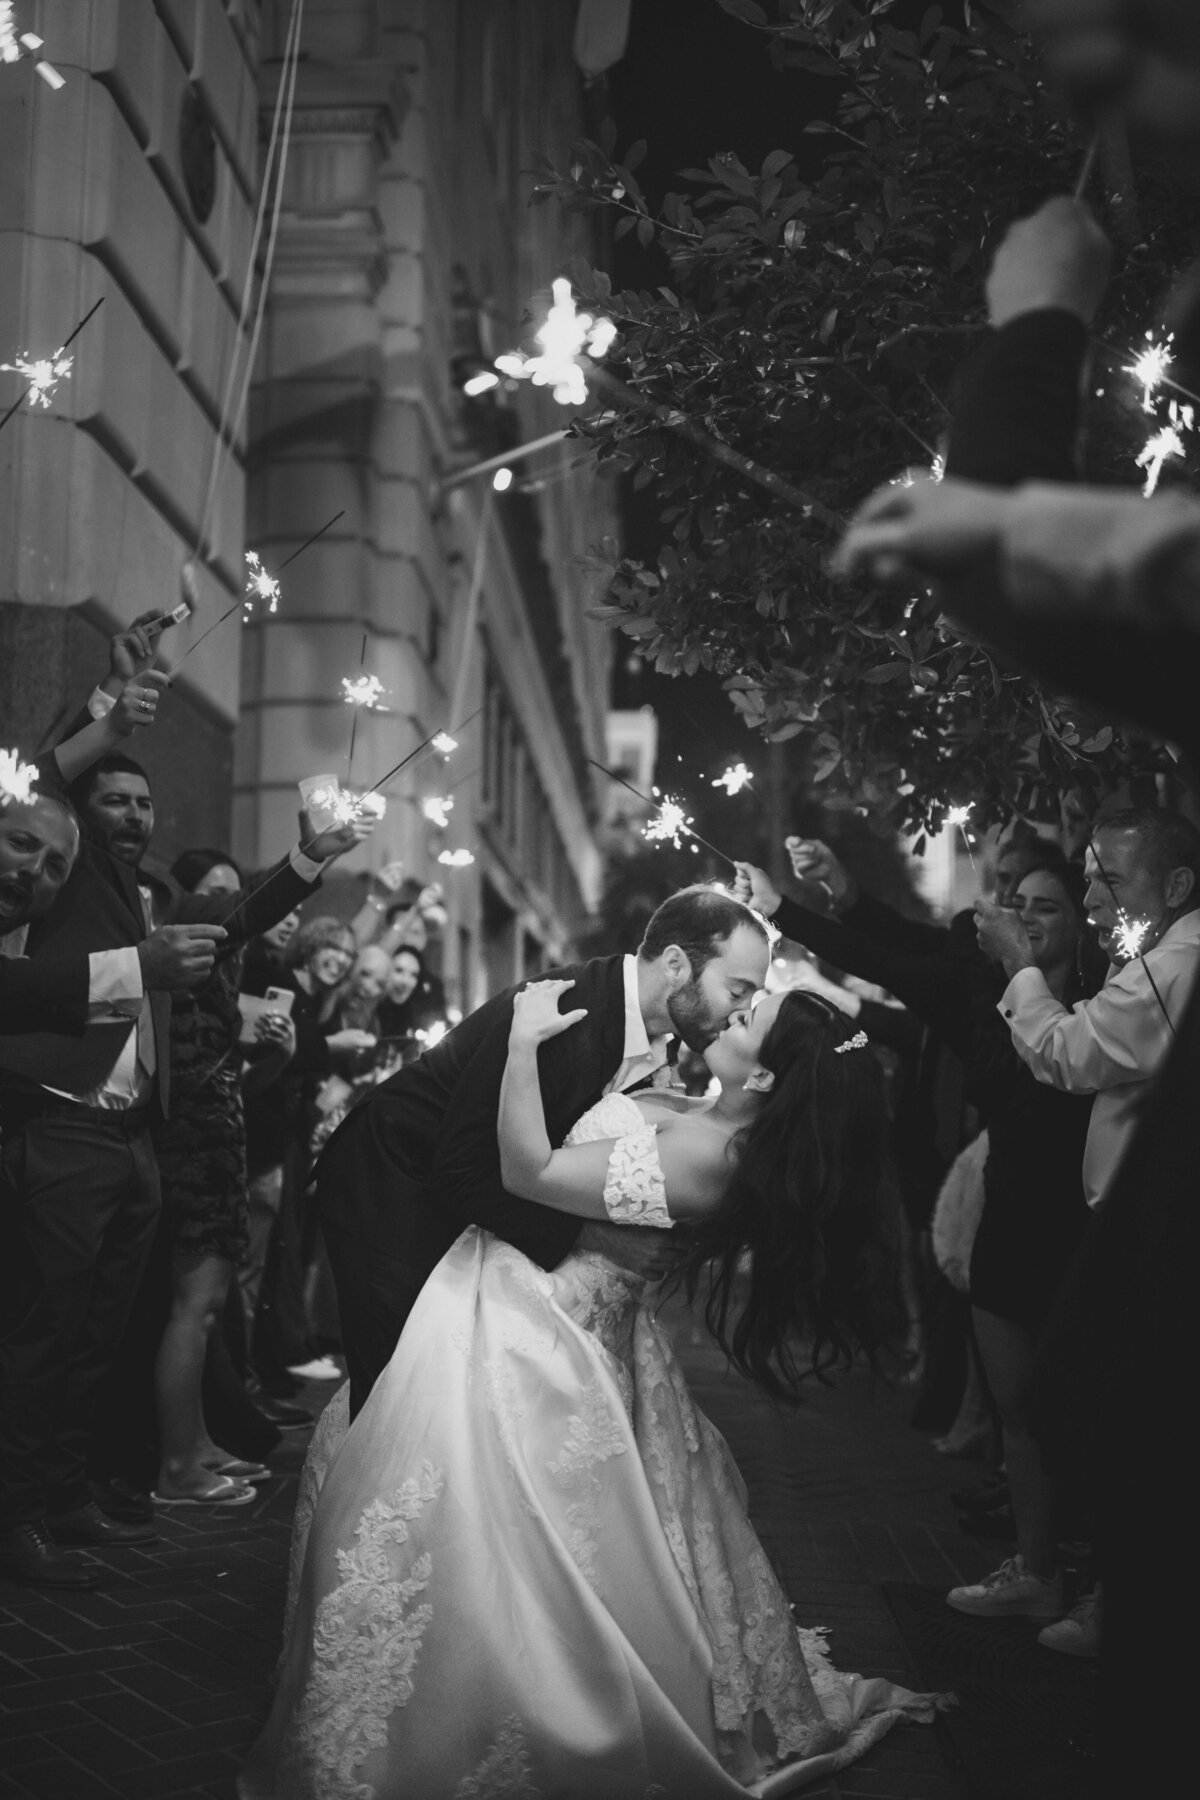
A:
(528, 1571)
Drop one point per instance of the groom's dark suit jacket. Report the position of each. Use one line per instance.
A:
(418, 1161)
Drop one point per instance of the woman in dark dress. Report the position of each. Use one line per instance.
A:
(1034, 1211)
(201, 1150)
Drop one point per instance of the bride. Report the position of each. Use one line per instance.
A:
(527, 1570)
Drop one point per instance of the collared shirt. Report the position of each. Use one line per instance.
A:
(1112, 1045)
(640, 1056)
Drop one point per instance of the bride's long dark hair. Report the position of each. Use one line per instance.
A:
(810, 1206)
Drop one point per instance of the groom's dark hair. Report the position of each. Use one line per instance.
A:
(701, 920)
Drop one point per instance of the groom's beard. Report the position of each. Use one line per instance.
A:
(692, 1019)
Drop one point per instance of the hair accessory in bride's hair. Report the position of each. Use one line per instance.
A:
(858, 1042)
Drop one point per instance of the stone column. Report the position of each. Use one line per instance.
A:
(313, 430)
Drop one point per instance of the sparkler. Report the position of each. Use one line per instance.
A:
(14, 44)
(672, 823)
(1131, 935)
(958, 816)
(440, 740)
(17, 779)
(1150, 368)
(1166, 442)
(430, 1035)
(569, 336)
(260, 585)
(437, 809)
(565, 336)
(456, 859)
(363, 690)
(44, 374)
(443, 743)
(671, 826)
(734, 778)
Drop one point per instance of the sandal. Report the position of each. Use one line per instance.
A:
(237, 1470)
(225, 1493)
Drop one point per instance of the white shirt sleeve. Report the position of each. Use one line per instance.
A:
(115, 982)
(305, 867)
(100, 704)
(1118, 1036)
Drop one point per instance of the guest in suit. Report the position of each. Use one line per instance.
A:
(79, 1187)
(418, 1161)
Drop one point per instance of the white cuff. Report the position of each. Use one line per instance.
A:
(115, 981)
(1026, 985)
(305, 867)
(100, 704)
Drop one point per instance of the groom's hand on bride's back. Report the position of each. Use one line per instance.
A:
(642, 1249)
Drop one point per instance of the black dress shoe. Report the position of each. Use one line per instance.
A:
(88, 1525)
(121, 1499)
(28, 1553)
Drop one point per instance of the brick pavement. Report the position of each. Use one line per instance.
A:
(154, 1684)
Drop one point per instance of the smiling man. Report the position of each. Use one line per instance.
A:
(1143, 871)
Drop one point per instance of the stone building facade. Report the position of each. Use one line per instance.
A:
(406, 256)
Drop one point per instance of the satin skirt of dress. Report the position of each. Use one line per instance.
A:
(528, 1570)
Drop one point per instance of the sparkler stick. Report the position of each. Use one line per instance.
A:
(58, 370)
(312, 540)
(904, 425)
(674, 825)
(958, 815)
(425, 743)
(356, 704)
(1131, 935)
(1089, 163)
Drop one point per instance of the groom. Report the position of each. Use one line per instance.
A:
(418, 1161)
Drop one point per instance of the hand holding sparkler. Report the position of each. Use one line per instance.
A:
(336, 839)
(1058, 259)
(1002, 936)
(137, 703)
(754, 887)
(815, 865)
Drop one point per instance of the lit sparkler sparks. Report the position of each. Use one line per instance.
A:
(1130, 936)
(566, 335)
(957, 816)
(1165, 443)
(430, 1035)
(14, 44)
(362, 690)
(734, 778)
(260, 584)
(443, 743)
(342, 806)
(671, 826)
(43, 375)
(17, 779)
(456, 859)
(1150, 367)
(437, 809)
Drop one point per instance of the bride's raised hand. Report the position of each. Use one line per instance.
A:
(536, 1016)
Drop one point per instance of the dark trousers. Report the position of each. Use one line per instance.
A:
(79, 1199)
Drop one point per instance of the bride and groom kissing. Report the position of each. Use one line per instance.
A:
(521, 1561)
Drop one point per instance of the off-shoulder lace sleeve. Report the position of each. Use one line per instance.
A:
(635, 1193)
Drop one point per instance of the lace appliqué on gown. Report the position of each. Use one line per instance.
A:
(635, 1192)
(505, 1772)
(366, 1641)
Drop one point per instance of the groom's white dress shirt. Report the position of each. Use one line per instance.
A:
(641, 1056)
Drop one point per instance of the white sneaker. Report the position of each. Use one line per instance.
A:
(1010, 1592)
(1079, 1633)
(321, 1368)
